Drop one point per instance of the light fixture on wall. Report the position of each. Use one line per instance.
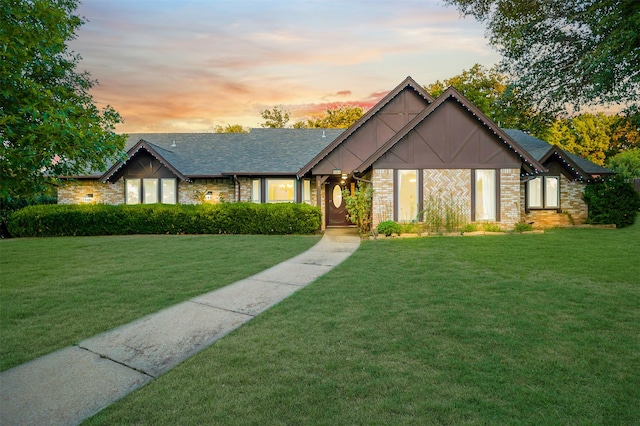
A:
(208, 196)
(88, 198)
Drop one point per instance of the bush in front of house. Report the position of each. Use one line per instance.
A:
(389, 227)
(612, 201)
(226, 218)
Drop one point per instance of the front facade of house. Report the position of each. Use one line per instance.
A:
(417, 152)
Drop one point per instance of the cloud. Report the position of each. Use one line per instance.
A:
(185, 64)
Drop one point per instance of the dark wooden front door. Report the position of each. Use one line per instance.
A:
(336, 207)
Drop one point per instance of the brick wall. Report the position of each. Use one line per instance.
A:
(449, 185)
(574, 211)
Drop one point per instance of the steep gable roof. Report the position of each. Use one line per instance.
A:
(528, 161)
(406, 83)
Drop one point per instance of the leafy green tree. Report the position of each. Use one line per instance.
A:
(626, 163)
(230, 128)
(275, 118)
(586, 135)
(339, 117)
(492, 92)
(574, 51)
(49, 124)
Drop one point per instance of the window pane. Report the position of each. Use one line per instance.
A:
(280, 190)
(150, 190)
(306, 191)
(407, 195)
(169, 191)
(551, 197)
(485, 195)
(255, 191)
(534, 192)
(133, 191)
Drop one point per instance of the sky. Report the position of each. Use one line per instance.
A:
(189, 65)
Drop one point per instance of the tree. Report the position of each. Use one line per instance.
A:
(586, 135)
(492, 92)
(626, 163)
(276, 118)
(340, 117)
(574, 51)
(230, 128)
(612, 201)
(49, 125)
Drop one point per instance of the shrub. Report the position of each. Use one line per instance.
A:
(358, 206)
(612, 201)
(227, 218)
(9, 206)
(389, 227)
(443, 212)
(491, 227)
(522, 227)
(470, 227)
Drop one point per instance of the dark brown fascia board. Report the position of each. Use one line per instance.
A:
(407, 82)
(147, 146)
(451, 92)
(578, 172)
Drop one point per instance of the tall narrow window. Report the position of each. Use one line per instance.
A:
(551, 192)
(133, 191)
(150, 190)
(534, 192)
(255, 191)
(280, 191)
(485, 195)
(306, 191)
(169, 191)
(407, 185)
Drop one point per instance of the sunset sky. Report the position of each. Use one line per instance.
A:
(188, 65)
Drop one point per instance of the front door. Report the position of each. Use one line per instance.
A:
(336, 206)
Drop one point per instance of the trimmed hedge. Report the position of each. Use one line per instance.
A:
(226, 218)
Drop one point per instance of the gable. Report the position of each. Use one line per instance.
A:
(449, 138)
(374, 133)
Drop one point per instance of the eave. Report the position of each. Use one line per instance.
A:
(142, 145)
(408, 82)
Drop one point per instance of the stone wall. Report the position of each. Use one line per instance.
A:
(509, 198)
(74, 192)
(195, 192)
(574, 211)
(382, 202)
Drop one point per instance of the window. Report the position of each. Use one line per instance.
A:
(169, 191)
(543, 193)
(485, 196)
(306, 191)
(133, 191)
(407, 184)
(281, 191)
(150, 191)
(255, 191)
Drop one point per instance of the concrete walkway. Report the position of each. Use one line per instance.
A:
(70, 385)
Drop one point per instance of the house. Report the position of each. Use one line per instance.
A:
(413, 149)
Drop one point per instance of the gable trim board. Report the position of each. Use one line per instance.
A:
(445, 141)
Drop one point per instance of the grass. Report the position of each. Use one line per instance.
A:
(57, 291)
(517, 329)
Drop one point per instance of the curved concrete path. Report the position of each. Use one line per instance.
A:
(70, 385)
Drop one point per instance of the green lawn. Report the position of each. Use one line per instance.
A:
(518, 329)
(57, 291)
